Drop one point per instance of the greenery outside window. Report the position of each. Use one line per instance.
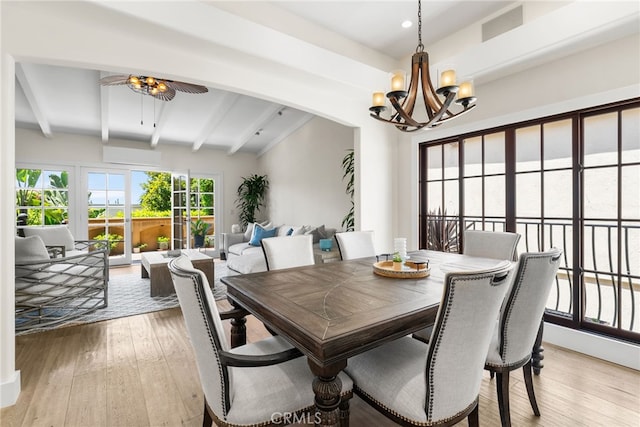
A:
(42, 196)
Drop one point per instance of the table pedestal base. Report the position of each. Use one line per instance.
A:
(327, 387)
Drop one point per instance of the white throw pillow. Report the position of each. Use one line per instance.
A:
(30, 248)
(53, 235)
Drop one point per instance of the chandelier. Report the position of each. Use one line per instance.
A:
(437, 111)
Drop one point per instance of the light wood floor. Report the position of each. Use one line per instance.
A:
(140, 371)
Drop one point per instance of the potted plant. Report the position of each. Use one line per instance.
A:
(199, 229)
(397, 261)
(138, 247)
(163, 243)
(251, 195)
(348, 222)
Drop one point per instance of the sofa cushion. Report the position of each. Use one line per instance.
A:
(30, 249)
(251, 262)
(58, 235)
(244, 249)
(260, 232)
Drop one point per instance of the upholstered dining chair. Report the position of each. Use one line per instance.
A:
(414, 383)
(288, 251)
(355, 244)
(517, 329)
(485, 244)
(262, 383)
(491, 244)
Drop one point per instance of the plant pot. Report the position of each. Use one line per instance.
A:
(397, 265)
(163, 246)
(198, 241)
(136, 250)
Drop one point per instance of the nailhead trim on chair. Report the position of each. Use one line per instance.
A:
(224, 399)
(410, 421)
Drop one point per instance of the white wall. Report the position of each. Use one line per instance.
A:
(305, 175)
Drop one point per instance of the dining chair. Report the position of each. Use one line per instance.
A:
(519, 321)
(414, 383)
(485, 244)
(262, 383)
(355, 244)
(491, 244)
(288, 251)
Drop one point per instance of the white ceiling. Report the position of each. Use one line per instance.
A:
(58, 99)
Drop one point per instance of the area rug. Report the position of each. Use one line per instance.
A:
(129, 296)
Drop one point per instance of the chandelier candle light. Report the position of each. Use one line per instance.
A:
(437, 110)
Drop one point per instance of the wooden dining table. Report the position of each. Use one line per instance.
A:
(334, 311)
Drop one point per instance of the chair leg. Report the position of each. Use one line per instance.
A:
(473, 418)
(207, 421)
(502, 386)
(528, 380)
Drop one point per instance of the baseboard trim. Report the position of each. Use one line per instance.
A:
(618, 352)
(10, 390)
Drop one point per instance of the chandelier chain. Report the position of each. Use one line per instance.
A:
(420, 47)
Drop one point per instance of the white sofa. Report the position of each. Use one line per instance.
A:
(243, 257)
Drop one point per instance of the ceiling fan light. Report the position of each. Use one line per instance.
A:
(134, 80)
(153, 91)
(162, 87)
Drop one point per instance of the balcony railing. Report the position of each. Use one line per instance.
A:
(610, 284)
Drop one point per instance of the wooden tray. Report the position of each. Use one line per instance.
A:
(409, 271)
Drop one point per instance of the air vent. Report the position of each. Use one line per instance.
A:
(501, 24)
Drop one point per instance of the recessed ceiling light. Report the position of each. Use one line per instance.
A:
(406, 24)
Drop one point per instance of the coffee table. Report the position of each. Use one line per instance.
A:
(155, 266)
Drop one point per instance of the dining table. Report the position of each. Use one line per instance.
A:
(334, 311)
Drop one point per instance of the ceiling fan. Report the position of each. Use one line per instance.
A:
(161, 89)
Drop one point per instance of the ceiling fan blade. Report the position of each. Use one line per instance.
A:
(166, 95)
(186, 87)
(114, 80)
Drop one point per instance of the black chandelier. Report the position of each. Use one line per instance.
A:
(437, 111)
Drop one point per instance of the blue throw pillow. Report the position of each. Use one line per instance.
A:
(260, 233)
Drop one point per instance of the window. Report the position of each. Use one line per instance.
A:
(42, 197)
(569, 181)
